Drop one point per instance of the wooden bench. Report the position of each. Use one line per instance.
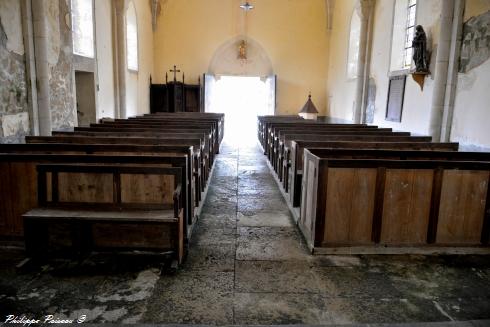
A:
(285, 144)
(276, 134)
(281, 144)
(206, 149)
(276, 130)
(293, 163)
(19, 182)
(305, 124)
(106, 207)
(216, 120)
(388, 202)
(83, 147)
(200, 165)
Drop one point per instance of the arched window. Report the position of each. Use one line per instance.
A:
(404, 22)
(354, 39)
(82, 27)
(132, 37)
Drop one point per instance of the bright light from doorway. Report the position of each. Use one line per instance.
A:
(241, 99)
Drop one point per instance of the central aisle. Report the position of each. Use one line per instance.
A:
(246, 257)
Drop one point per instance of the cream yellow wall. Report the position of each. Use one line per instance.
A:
(475, 8)
(340, 89)
(293, 33)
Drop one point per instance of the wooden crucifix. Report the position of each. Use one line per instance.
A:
(175, 71)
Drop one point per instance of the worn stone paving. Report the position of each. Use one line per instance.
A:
(248, 265)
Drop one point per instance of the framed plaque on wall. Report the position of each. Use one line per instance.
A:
(396, 93)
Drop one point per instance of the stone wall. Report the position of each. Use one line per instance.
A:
(14, 117)
(61, 81)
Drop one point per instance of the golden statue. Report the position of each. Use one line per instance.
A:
(242, 50)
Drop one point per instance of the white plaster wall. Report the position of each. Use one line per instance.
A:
(472, 104)
(138, 84)
(417, 103)
(340, 89)
(145, 36)
(132, 96)
(105, 67)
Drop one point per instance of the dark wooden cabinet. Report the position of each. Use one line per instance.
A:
(175, 97)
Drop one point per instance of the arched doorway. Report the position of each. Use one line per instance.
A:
(241, 88)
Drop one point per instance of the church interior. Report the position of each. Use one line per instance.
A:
(233, 162)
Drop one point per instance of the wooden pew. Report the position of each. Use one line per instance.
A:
(18, 180)
(285, 143)
(279, 146)
(180, 118)
(440, 199)
(208, 150)
(217, 121)
(263, 120)
(268, 126)
(106, 207)
(146, 137)
(86, 145)
(293, 164)
(276, 133)
(193, 180)
(277, 129)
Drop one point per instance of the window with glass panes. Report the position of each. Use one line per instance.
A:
(132, 37)
(409, 32)
(83, 27)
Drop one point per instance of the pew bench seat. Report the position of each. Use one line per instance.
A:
(89, 230)
(85, 208)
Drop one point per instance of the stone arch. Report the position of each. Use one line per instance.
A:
(225, 61)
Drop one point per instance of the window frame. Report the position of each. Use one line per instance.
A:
(348, 76)
(405, 69)
(93, 50)
(132, 69)
(407, 50)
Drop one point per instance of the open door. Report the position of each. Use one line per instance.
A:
(271, 87)
(85, 96)
(209, 90)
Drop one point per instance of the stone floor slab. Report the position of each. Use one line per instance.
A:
(265, 219)
(278, 309)
(211, 257)
(270, 243)
(192, 298)
(277, 277)
(262, 203)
